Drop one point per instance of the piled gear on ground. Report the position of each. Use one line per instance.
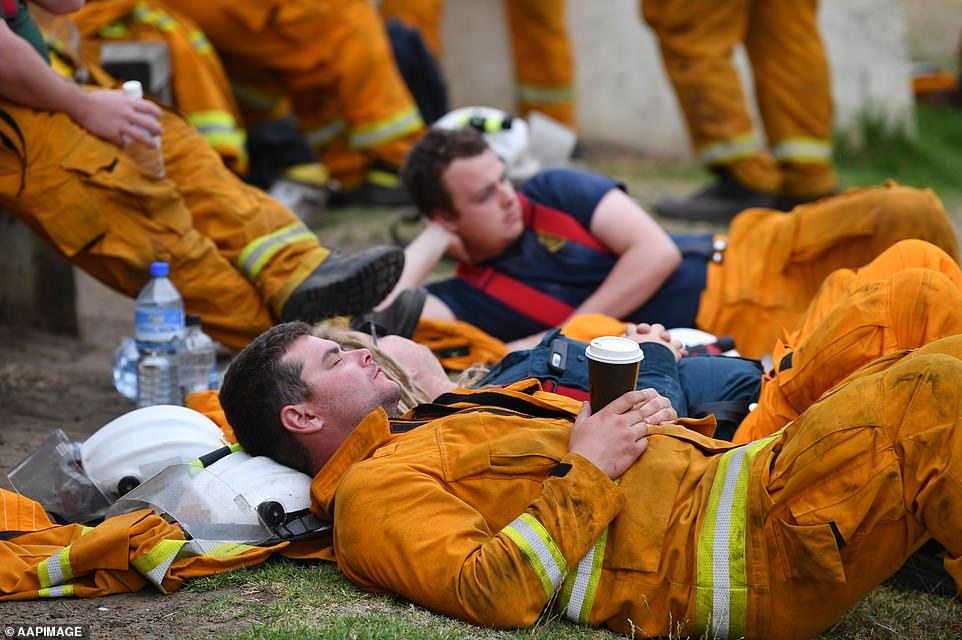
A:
(177, 462)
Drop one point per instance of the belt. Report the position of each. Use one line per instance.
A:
(712, 248)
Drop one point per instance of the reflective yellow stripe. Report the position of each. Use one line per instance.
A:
(200, 41)
(254, 97)
(154, 564)
(802, 149)
(372, 135)
(326, 133)
(721, 587)
(61, 591)
(213, 119)
(725, 151)
(384, 178)
(259, 252)
(144, 14)
(113, 30)
(540, 549)
(547, 95)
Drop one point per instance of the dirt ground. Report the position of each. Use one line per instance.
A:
(49, 382)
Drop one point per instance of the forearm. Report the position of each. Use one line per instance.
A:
(637, 275)
(420, 256)
(26, 79)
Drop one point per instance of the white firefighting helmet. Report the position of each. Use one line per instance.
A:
(128, 450)
(507, 135)
(236, 498)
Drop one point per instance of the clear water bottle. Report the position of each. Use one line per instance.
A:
(148, 157)
(197, 364)
(158, 327)
(125, 368)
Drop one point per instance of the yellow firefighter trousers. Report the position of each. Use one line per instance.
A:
(235, 253)
(332, 59)
(791, 79)
(543, 58)
(775, 262)
(857, 483)
(200, 86)
(907, 297)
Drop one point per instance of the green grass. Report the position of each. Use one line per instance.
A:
(284, 599)
(875, 152)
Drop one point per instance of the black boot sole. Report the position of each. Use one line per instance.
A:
(351, 292)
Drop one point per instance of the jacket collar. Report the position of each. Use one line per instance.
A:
(373, 432)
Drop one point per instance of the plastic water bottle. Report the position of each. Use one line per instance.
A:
(125, 368)
(197, 364)
(148, 158)
(158, 327)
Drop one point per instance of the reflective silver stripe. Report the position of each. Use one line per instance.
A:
(803, 150)
(325, 134)
(155, 564)
(371, 136)
(546, 95)
(580, 587)
(540, 549)
(728, 150)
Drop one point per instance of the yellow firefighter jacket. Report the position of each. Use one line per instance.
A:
(473, 507)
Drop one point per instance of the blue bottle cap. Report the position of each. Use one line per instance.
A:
(159, 269)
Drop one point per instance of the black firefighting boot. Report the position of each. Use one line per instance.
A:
(345, 284)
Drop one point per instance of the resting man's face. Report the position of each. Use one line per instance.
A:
(487, 211)
(347, 386)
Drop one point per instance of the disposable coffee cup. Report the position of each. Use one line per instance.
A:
(613, 364)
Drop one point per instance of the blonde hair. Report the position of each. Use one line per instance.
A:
(411, 394)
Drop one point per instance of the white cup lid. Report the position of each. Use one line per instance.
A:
(614, 350)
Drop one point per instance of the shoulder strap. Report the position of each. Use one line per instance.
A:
(515, 294)
(560, 223)
(490, 398)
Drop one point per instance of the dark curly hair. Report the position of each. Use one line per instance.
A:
(257, 385)
(430, 157)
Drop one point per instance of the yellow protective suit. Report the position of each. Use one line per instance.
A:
(121, 555)
(200, 86)
(332, 59)
(792, 87)
(907, 297)
(482, 513)
(775, 262)
(542, 52)
(235, 253)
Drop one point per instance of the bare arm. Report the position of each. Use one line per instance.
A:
(647, 256)
(420, 256)
(27, 80)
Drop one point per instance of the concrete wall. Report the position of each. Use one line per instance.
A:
(624, 97)
(934, 31)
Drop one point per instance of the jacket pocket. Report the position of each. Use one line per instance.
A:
(66, 211)
(809, 552)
